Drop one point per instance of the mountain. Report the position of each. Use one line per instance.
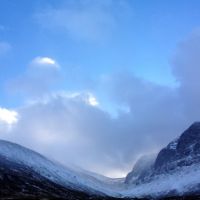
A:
(37, 173)
(141, 169)
(21, 182)
(175, 171)
(184, 151)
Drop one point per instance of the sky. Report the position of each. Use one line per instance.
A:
(98, 83)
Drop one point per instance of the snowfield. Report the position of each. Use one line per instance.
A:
(78, 180)
(183, 180)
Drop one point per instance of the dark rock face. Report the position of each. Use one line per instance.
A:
(189, 142)
(166, 155)
(183, 151)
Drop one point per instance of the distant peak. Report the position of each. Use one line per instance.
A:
(195, 125)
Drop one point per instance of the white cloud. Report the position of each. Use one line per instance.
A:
(44, 62)
(69, 127)
(86, 97)
(92, 100)
(8, 116)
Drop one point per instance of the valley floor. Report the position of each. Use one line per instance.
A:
(82, 196)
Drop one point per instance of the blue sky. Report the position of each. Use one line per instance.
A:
(112, 70)
(141, 37)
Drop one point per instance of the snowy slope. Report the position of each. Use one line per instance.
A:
(55, 172)
(175, 171)
(182, 181)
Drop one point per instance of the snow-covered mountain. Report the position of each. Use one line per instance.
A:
(175, 171)
(18, 181)
(75, 180)
(183, 151)
(141, 169)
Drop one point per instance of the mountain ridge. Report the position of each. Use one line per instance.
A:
(174, 172)
(178, 160)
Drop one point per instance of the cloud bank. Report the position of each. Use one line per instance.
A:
(74, 127)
